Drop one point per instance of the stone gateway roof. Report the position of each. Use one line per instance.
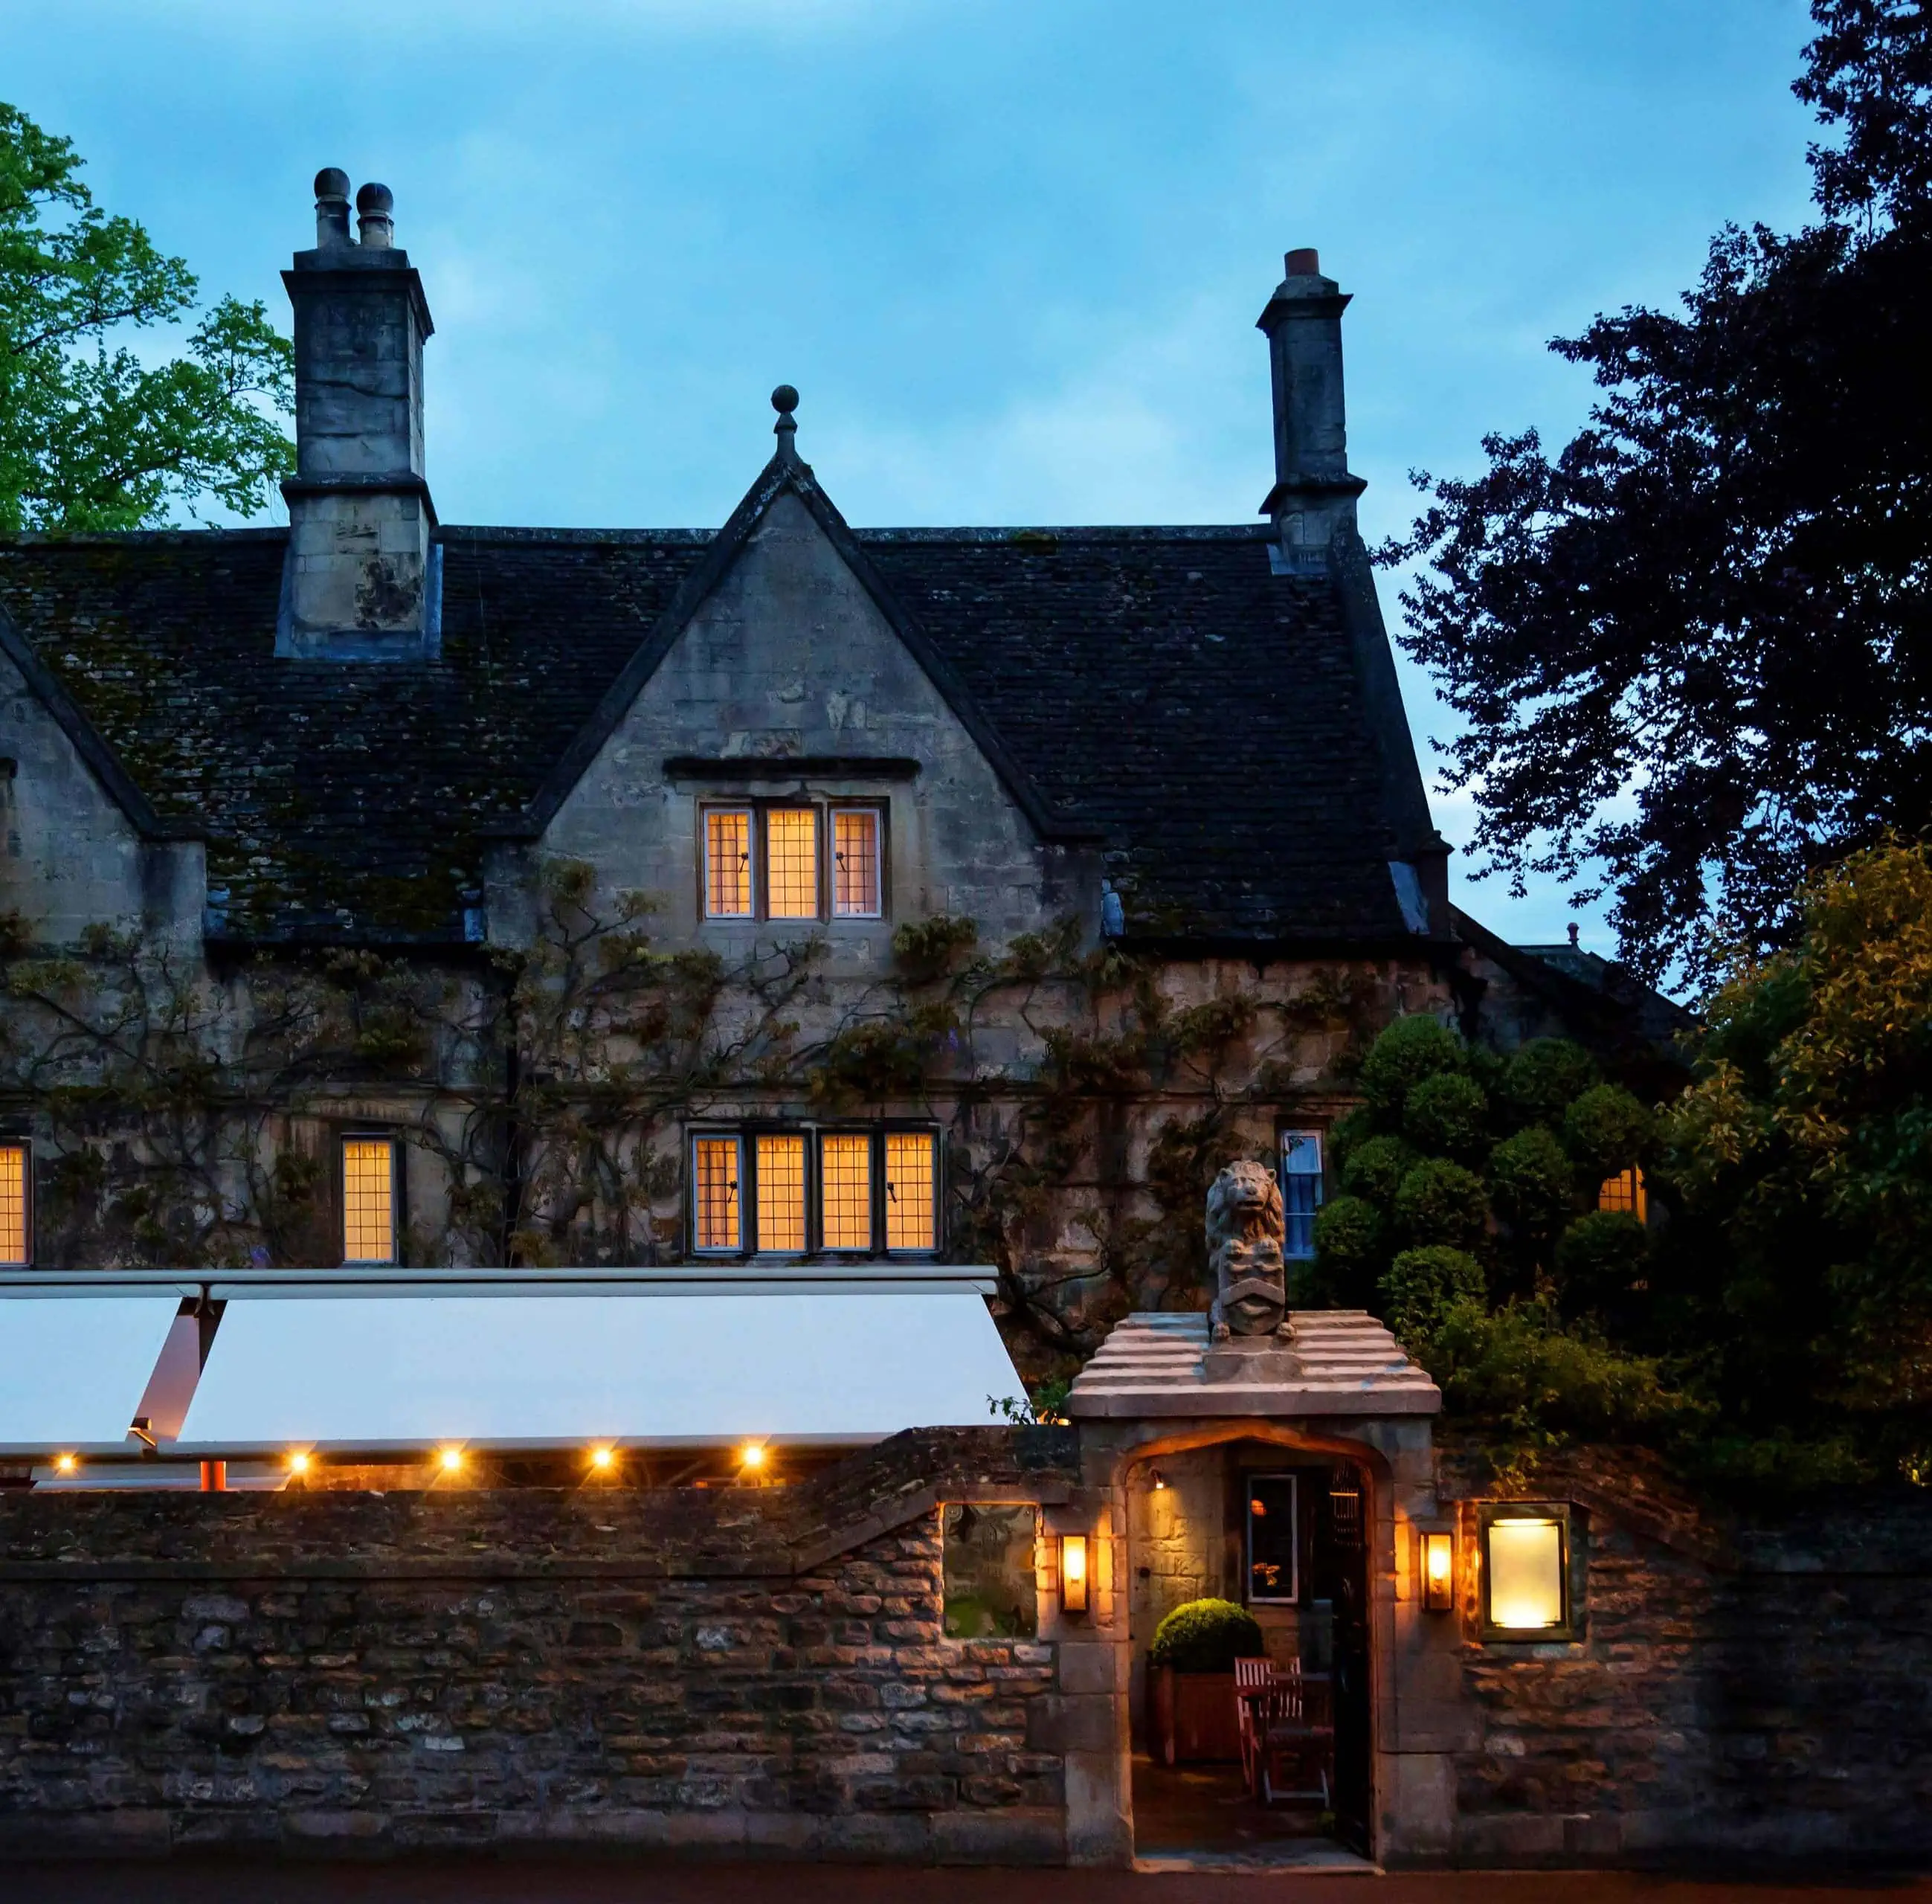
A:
(1212, 724)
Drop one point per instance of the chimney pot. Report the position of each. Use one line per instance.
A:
(373, 204)
(1306, 262)
(332, 206)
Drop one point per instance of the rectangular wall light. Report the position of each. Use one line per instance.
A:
(1526, 1570)
(1073, 1573)
(1438, 1572)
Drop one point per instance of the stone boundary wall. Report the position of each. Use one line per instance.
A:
(1744, 1688)
(741, 1671)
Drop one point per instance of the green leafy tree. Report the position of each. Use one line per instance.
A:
(1800, 1162)
(1690, 650)
(92, 434)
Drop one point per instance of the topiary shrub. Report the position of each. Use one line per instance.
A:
(1606, 1130)
(1439, 1202)
(1534, 1181)
(1206, 1636)
(1351, 1246)
(1420, 1285)
(1541, 1078)
(1410, 1050)
(1376, 1168)
(1447, 1115)
(1347, 1134)
(1598, 1259)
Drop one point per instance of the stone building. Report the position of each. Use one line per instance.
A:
(400, 892)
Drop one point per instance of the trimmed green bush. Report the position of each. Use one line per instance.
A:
(1421, 1284)
(1351, 1246)
(1376, 1168)
(1410, 1050)
(1534, 1181)
(1606, 1130)
(1347, 1134)
(1206, 1636)
(1599, 1257)
(1540, 1080)
(1447, 1115)
(1439, 1202)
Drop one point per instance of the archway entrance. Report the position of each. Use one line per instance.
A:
(1285, 1531)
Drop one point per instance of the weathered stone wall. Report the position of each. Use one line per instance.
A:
(737, 1671)
(1762, 1689)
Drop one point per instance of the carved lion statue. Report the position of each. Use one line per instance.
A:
(1244, 1250)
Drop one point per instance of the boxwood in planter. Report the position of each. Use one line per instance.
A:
(1206, 1636)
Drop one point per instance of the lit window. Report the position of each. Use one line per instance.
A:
(368, 1199)
(845, 1191)
(791, 862)
(855, 859)
(1524, 1571)
(1271, 1546)
(781, 1193)
(1625, 1191)
(715, 1174)
(1301, 1191)
(909, 1188)
(728, 865)
(14, 1176)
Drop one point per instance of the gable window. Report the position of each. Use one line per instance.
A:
(1625, 1191)
(855, 863)
(368, 1199)
(716, 1171)
(789, 861)
(17, 1214)
(858, 1191)
(1301, 1192)
(727, 864)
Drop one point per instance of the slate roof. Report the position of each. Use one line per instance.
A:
(1162, 688)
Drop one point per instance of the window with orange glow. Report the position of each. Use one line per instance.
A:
(855, 863)
(368, 1199)
(1625, 1191)
(714, 1162)
(728, 864)
(909, 1189)
(845, 1191)
(781, 1193)
(13, 1206)
(791, 862)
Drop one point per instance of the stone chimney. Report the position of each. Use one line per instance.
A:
(363, 579)
(1313, 499)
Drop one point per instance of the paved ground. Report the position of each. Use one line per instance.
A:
(459, 1881)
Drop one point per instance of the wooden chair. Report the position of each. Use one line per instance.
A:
(1251, 1677)
(1288, 1730)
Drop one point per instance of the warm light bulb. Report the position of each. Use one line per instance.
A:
(64, 1464)
(298, 1462)
(1438, 1559)
(602, 1457)
(752, 1455)
(452, 1460)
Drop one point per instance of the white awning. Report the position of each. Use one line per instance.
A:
(73, 1369)
(410, 1369)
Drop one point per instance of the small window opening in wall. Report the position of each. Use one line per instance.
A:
(855, 863)
(1301, 1192)
(727, 864)
(1271, 1539)
(1526, 1563)
(715, 1173)
(990, 1591)
(1625, 1191)
(911, 1218)
(16, 1206)
(368, 1199)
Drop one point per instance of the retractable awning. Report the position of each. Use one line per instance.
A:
(73, 1368)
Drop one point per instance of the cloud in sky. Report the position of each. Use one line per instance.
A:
(1011, 252)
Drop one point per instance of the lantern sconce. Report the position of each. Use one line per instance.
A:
(1438, 1572)
(1073, 1573)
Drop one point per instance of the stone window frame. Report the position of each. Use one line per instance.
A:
(1572, 1531)
(25, 1145)
(1319, 1177)
(746, 1134)
(824, 808)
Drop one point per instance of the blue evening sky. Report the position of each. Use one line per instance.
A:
(1011, 251)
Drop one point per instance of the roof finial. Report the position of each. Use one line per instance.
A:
(784, 400)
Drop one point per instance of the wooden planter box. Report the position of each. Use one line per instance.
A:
(1193, 1720)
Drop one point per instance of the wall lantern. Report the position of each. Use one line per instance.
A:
(1438, 1572)
(1526, 1571)
(1073, 1573)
